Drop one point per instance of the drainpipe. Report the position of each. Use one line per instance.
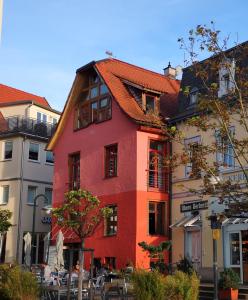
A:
(19, 224)
(170, 203)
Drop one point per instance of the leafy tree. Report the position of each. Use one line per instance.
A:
(157, 252)
(81, 212)
(5, 216)
(217, 114)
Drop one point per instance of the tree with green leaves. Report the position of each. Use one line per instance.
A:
(157, 253)
(81, 212)
(5, 223)
(213, 103)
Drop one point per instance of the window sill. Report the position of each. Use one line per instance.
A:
(49, 164)
(7, 159)
(110, 235)
(158, 235)
(2, 204)
(34, 161)
(110, 177)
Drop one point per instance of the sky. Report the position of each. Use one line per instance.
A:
(44, 41)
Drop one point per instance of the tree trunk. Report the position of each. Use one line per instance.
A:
(81, 265)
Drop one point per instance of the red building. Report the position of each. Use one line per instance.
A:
(107, 142)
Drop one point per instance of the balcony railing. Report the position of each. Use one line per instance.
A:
(30, 126)
(158, 180)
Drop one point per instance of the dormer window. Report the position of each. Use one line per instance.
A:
(150, 103)
(94, 104)
(193, 96)
(226, 77)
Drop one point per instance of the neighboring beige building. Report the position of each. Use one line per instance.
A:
(191, 231)
(26, 123)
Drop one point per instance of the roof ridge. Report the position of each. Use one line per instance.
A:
(22, 91)
(137, 67)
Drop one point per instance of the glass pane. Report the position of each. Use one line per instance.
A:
(234, 249)
(103, 102)
(38, 117)
(49, 157)
(8, 150)
(31, 194)
(5, 194)
(94, 92)
(44, 119)
(150, 103)
(33, 151)
(48, 194)
(103, 89)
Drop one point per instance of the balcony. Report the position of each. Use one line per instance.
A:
(20, 124)
(157, 180)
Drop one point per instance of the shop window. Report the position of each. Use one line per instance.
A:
(48, 194)
(157, 218)
(4, 194)
(49, 157)
(156, 170)
(33, 152)
(8, 149)
(74, 171)
(111, 156)
(31, 194)
(111, 222)
(234, 248)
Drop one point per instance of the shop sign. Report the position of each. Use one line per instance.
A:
(216, 234)
(193, 206)
(46, 220)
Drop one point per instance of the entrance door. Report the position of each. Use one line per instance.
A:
(245, 255)
(235, 253)
(193, 247)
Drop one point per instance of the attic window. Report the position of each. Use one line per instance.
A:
(150, 103)
(226, 77)
(193, 96)
(94, 104)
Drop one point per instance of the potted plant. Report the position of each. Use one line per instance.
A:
(228, 285)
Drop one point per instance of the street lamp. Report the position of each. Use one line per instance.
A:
(33, 223)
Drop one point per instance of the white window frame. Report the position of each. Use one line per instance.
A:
(224, 72)
(222, 156)
(42, 117)
(34, 160)
(193, 96)
(187, 143)
(2, 194)
(31, 186)
(4, 146)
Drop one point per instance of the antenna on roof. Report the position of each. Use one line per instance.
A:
(109, 53)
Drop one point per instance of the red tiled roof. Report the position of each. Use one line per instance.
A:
(115, 71)
(10, 95)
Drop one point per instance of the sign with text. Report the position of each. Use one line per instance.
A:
(193, 206)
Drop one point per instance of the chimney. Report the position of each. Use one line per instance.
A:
(170, 72)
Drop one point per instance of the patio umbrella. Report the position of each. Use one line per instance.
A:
(46, 246)
(27, 248)
(59, 259)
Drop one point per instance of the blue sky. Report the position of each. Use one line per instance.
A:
(45, 41)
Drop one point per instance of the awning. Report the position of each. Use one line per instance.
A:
(186, 221)
(232, 221)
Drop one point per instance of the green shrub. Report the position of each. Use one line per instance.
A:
(16, 284)
(185, 265)
(148, 285)
(229, 279)
(181, 286)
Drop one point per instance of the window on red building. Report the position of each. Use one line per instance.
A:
(111, 156)
(157, 218)
(111, 222)
(156, 172)
(74, 171)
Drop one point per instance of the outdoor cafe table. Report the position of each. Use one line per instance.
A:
(59, 290)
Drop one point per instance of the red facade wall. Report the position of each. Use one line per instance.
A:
(128, 190)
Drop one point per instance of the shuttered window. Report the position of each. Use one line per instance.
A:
(111, 155)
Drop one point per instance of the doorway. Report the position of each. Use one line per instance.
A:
(244, 234)
(193, 247)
